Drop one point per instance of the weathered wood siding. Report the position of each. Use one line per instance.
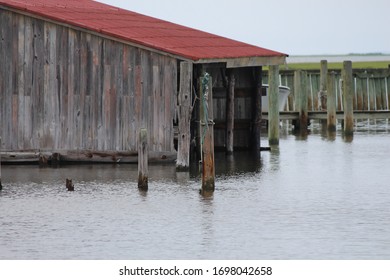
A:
(65, 89)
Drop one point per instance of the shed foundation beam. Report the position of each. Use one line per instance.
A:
(256, 109)
(331, 102)
(230, 113)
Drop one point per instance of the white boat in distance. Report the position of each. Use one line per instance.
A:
(283, 95)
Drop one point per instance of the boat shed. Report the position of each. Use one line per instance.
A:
(79, 78)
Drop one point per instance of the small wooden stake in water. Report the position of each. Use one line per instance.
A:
(143, 160)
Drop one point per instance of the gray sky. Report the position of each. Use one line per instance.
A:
(295, 27)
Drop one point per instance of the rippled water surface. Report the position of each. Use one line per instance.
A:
(320, 197)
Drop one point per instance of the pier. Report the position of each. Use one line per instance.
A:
(331, 95)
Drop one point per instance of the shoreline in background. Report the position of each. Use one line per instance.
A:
(337, 58)
(359, 61)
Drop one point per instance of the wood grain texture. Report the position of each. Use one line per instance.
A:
(63, 89)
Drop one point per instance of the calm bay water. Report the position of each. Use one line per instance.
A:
(321, 197)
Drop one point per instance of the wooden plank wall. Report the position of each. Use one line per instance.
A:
(64, 89)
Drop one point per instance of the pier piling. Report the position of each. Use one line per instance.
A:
(143, 160)
(331, 102)
(322, 94)
(301, 99)
(1, 186)
(348, 97)
(207, 134)
(273, 101)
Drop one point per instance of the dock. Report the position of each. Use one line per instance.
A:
(322, 115)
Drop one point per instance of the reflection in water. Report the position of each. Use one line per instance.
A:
(320, 198)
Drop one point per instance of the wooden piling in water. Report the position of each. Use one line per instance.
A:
(256, 109)
(1, 186)
(273, 102)
(348, 97)
(230, 113)
(207, 134)
(322, 94)
(301, 94)
(331, 102)
(185, 111)
(143, 159)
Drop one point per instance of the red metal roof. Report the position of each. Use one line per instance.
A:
(140, 29)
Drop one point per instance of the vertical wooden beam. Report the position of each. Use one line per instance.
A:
(185, 110)
(322, 95)
(331, 102)
(273, 102)
(348, 97)
(230, 113)
(256, 109)
(143, 159)
(301, 94)
(207, 134)
(1, 186)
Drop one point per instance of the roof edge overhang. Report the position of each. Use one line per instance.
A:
(100, 33)
(251, 61)
(237, 62)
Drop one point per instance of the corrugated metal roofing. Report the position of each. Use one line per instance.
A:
(140, 29)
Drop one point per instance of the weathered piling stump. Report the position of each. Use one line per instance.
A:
(69, 185)
(143, 160)
(331, 102)
(348, 97)
(273, 101)
(207, 134)
(184, 111)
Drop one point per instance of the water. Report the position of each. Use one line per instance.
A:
(320, 197)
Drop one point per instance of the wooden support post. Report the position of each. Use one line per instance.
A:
(143, 160)
(230, 113)
(273, 102)
(301, 91)
(1, 186)
(256, 109)
(207, 134)
(348, 97)
(331, 102)
(322, 94)
(185, 111)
